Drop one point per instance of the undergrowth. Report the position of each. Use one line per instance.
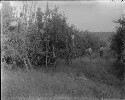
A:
(97, 82)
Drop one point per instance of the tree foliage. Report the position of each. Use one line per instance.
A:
(118, 39)
(41, 27)
(118, 46)
(14, 41)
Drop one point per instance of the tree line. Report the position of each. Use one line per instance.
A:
(43, 34)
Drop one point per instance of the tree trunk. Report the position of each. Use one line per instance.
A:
(27, 63)
(46, 54)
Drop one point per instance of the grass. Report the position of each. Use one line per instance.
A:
(64, 82)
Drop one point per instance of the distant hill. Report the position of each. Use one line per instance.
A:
(104, 36)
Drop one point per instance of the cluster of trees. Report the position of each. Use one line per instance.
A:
(43, 32)
(118, 40)
(118, 46)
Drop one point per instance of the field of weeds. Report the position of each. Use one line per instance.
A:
(86, 78)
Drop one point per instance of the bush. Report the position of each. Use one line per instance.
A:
(19, 62)
(106, 57)
(118, 39)
(118, 68)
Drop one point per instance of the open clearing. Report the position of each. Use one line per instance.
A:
(84, 79)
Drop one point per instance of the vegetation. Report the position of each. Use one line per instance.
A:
(118, 46)
(48, 35)
(118, 40)
(86, 78)
(43, 33)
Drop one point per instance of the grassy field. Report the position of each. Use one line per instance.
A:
(86, 78)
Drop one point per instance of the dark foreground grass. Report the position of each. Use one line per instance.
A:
(84, 79)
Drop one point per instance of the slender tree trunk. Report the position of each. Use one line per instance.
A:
(26, 66)
(54, 55)
(27, 62)
(46, 53)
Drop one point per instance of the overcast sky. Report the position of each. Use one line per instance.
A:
(94, 16)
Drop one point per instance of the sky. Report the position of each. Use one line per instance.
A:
(96, 16)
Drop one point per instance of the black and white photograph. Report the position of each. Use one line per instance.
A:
(62, 50)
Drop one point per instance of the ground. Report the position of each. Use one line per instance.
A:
(86, 78)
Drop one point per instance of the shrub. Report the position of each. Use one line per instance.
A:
(119, 69)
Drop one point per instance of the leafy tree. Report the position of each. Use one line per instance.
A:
(14, 41)
(118, 39)
(52, 26)
(118, 45)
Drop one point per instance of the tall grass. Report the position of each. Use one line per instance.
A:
(97, 82)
